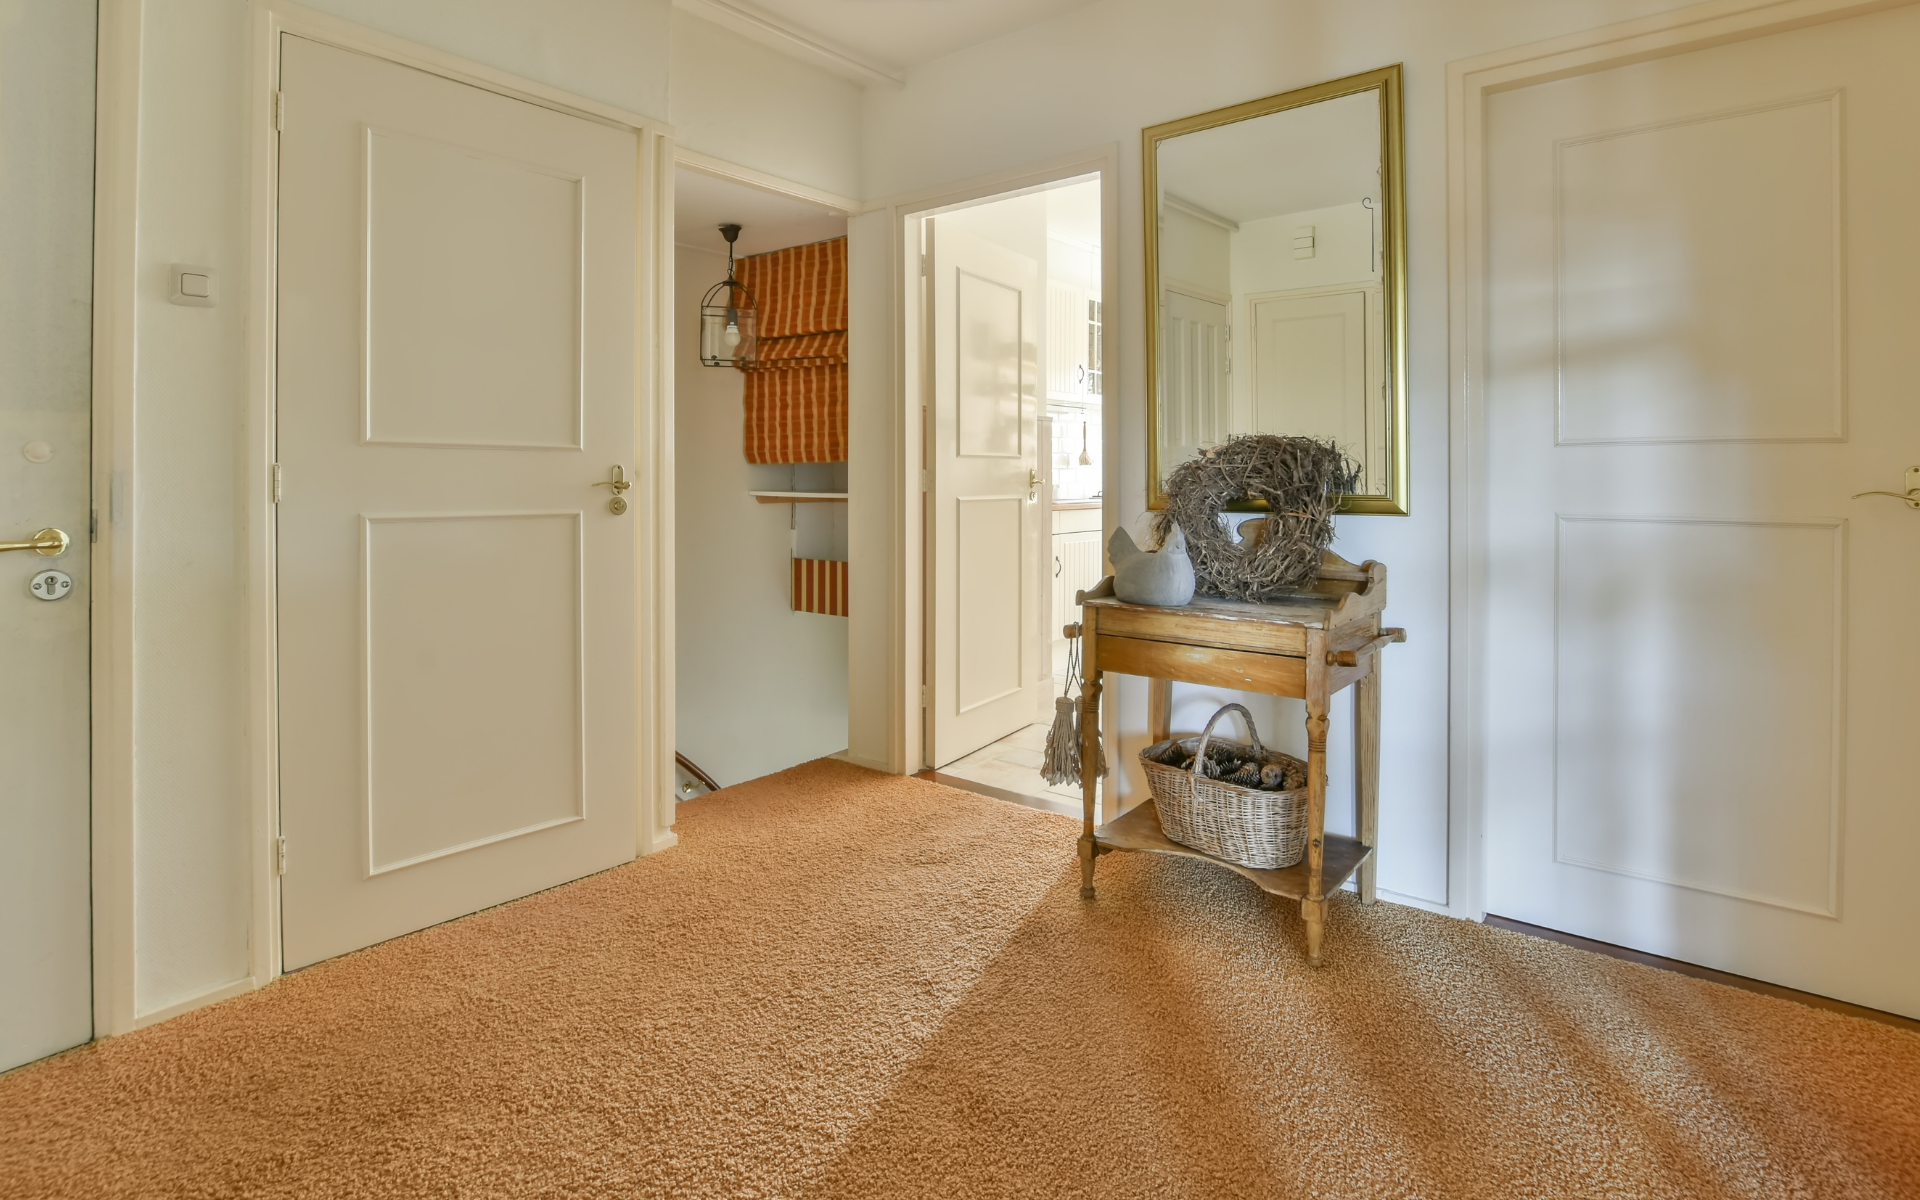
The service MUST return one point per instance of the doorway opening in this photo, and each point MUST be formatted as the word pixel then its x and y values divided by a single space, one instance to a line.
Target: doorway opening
pixel 1013 446
pixel 760 487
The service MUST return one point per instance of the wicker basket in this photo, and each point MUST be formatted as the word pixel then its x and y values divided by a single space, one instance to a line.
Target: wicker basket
pixel 1244 825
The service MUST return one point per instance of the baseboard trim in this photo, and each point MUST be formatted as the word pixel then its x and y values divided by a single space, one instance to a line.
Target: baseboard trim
pixel 210 996
pixel 1061 808
pixel 1697 971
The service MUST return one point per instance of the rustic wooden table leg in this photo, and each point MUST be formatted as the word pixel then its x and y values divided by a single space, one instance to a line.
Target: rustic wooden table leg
pixel 1366 772
pixel 1090 690
pixel 1159 710
pixel 1313 907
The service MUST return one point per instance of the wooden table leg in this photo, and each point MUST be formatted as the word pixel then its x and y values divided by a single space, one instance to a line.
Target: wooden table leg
pixel 1090 690
pixel 1159 710
pixel 1313 907
pixel 1366 773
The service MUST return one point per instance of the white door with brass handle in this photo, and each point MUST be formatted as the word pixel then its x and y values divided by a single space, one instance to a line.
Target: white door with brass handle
pixel 46 240
pixel 457 631
pixel 1702 510
pixel 986 520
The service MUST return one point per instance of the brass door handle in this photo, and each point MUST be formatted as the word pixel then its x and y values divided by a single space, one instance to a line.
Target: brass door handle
pixel 619 483
pixel 1912 498
pixel 1033 485
pixel 1911 495
pixel 50 542
pixel 618 505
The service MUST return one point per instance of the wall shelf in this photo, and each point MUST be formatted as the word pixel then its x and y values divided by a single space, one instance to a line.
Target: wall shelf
pixel 799 497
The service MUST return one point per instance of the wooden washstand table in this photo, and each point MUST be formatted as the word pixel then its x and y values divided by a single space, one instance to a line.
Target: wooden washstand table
pixel 1308 646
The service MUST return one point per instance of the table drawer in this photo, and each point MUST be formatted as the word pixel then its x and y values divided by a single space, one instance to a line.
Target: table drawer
pixel 1171 625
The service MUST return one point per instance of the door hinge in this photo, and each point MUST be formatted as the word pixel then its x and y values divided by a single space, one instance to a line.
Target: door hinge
pixel 279 111
pixel 923 266
pixel 93 525
pixel 923 695
pixel 279 856
pixel 923 479
pixel 276 483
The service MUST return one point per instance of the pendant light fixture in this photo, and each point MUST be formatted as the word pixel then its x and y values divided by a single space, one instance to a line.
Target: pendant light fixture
pixel 729 324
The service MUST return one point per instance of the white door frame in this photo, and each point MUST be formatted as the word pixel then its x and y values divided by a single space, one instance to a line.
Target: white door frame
pixel 906 604
pixel 115 273
pixel 1469 83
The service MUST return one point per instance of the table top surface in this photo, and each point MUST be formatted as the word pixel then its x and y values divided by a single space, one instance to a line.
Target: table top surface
pixel 1309 610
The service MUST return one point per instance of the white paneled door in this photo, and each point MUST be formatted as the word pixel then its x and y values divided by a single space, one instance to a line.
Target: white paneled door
pixel 1197 351
pixel 455 380
pixel 46 244
pixel 1313 370
pixel 986 511
pixel 1704 290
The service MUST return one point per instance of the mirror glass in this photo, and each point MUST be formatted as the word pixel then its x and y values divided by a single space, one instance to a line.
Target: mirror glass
pixel 1274 267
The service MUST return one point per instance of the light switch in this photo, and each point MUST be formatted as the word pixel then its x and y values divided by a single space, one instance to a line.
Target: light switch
pixel 192 286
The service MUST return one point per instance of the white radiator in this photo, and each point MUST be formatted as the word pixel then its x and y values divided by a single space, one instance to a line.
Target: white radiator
pixel 1076 567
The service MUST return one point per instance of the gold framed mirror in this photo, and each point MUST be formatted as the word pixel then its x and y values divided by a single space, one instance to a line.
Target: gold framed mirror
pixel 1276 281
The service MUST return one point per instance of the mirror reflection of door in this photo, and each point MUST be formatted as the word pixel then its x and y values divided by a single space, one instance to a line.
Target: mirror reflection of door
pixel 1312 373
pixel 1196 350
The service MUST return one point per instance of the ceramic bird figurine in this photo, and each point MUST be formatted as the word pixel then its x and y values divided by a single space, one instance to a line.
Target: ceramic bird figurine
pixel 1162 577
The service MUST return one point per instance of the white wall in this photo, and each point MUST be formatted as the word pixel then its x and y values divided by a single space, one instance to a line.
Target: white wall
pixel 1009 103
pixel 761 687
pixel 192 918
pixel 1195 252
pixel 739 101
pixel 883 508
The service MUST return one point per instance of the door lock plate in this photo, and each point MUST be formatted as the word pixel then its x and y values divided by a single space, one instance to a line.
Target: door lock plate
pixel 50 585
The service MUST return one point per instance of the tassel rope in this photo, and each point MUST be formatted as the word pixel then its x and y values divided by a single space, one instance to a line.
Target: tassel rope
pixel 1062 762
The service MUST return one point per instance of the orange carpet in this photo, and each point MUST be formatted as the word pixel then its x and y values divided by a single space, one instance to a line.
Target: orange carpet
pixel 848 985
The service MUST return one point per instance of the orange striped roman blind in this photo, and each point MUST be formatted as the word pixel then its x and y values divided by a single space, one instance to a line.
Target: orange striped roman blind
pixel 796 394
pixel 820 586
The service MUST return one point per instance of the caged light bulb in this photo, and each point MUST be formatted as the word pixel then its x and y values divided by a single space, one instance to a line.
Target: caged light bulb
pixel 731 338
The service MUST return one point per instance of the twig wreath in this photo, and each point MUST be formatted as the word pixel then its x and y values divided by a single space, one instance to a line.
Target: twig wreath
pixel 1300 478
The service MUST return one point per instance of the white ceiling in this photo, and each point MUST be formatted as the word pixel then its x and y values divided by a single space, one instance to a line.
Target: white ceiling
pixel 702 203
pixel 876 39
pixel 1304 158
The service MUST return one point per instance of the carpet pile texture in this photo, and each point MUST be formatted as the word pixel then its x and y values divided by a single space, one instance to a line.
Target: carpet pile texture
pixel 849 985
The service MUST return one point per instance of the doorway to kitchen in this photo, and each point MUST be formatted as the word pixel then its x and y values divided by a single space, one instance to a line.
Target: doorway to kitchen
pixel 1014 449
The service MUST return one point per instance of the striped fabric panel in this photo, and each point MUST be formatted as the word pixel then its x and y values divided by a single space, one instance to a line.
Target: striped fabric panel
pixel 797 416
pixel 820 586
pixel 780 353
pixel 802 289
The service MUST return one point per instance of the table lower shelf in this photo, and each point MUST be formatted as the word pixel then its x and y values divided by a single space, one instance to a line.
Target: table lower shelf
pixel 1139 829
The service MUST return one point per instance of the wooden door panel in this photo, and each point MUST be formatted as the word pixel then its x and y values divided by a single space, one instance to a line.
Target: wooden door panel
pixel 457 669
pixel 474 294
pixel 1700 308
pixel 988 625
pixel 475 655
pixel 1697 711
pixel 1700 280
pixel 987 594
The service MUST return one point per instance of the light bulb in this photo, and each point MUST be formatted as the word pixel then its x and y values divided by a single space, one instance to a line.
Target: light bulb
pixel 731 338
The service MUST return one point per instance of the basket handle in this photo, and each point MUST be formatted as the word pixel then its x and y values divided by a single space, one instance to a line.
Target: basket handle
pixel 1200 751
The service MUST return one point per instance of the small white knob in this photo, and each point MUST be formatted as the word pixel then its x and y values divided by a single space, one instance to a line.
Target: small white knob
pixel 37 452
